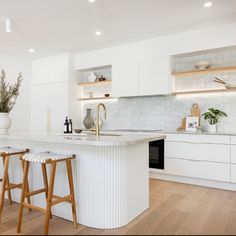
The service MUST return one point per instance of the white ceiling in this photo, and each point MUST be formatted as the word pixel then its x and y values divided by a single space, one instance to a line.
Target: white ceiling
pixel 55 26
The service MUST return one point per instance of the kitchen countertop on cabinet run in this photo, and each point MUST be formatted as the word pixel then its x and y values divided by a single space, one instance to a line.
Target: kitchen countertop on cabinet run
pixel 109 138
pixel 200 133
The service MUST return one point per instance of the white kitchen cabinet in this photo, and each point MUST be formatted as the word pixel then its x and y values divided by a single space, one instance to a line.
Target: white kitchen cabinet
pixel 198 156
pixel 233 154
pixel 233 150
pixel 198 151
pixel 233 173
pixel 49 106
pixel 199 138
pixel 233 140
pixel 50 92
pixel 125 78
pixel 39 105
pixel 51 69
pixel 198 169
pixel 154 76
pixel 145 78
pixel 233 159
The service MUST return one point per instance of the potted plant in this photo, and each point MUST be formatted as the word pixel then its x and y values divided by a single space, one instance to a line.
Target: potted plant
pixel 8 96
pixel 213 116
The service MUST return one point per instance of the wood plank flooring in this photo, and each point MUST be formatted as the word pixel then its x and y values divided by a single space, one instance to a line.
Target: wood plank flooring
pixel 176 209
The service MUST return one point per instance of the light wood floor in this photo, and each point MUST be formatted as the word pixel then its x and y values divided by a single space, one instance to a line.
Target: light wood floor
pixel 175 209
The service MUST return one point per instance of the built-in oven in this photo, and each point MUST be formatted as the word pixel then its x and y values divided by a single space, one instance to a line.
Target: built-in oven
pixel 157 154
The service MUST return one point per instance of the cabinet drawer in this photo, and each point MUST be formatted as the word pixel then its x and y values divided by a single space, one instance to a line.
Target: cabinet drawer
pixel 233 154
pixel 233 173
pixel 233 140
pixel 199 138
pixel 199 152
pixel 198 169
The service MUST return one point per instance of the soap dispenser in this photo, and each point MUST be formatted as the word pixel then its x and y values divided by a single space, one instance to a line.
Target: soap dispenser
pixel 66 126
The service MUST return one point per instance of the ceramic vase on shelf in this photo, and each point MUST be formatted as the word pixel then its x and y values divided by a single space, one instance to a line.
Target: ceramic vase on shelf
pixel 5 122
pixel 92 77
pixel 88 120
pixel 212 128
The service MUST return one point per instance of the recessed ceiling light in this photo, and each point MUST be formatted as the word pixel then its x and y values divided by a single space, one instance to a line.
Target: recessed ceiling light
pixel 8 25
pixel 92 1
pixel 208 4
pixel 98 33
pixel 31 50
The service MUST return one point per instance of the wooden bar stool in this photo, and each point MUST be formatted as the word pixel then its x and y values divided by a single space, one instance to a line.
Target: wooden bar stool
pixel 45 159
pixel 6 153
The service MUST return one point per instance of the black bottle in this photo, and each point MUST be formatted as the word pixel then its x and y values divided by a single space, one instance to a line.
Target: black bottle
pixel 66 126
pixel 70 127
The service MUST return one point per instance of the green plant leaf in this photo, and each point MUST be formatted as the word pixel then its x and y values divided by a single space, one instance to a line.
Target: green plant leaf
pixel 213 115
pixel 9 93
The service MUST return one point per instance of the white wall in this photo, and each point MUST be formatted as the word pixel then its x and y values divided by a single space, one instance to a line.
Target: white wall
pixel 201 39
pixel 12 66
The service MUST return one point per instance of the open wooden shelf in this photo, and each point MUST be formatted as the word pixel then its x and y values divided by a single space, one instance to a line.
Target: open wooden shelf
pixel 96 98
pixel 205 91
pixel 200 72
pixel 100 83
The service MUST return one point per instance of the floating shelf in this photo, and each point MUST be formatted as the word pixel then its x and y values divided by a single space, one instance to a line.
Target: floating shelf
pixel 200 72
pixel 205 91
pixel 96 98
pixel 99 83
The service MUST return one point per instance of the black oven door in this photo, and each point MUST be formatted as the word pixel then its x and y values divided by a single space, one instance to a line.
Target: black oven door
pixel 156 154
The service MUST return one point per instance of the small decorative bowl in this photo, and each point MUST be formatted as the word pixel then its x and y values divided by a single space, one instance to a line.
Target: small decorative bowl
pixel 107 95
pixel 202 65
pixel 78 131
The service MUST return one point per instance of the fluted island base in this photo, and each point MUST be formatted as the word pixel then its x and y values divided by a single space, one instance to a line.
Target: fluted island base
pixel 112 183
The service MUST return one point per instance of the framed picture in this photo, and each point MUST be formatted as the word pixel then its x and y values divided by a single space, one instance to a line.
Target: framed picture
pixel 192 123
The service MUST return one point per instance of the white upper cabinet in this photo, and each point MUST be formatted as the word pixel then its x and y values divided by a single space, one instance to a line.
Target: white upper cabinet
pixel 154 77
pixel 51 69
pixel 149 75
pixel 50 93
pixel 125 79
pixel 144 78
pixel 154 68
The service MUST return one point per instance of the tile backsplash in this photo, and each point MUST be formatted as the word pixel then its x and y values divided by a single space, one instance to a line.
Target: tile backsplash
pixel 218 58
pixel 166 112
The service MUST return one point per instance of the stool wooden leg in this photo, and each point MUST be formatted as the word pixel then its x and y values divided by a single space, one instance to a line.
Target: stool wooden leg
pixel 27 184
pixel 45 181
pixel 72 192
pixel 8 190
pixel 49 198
pixel 24 186
pixel 7 183
pixel 4 184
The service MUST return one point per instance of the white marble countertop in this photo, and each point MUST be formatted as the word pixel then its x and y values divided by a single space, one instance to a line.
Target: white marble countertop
pixel 114 138
pixel 200 133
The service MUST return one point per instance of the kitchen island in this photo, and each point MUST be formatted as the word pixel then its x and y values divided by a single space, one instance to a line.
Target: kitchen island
pixel 111 174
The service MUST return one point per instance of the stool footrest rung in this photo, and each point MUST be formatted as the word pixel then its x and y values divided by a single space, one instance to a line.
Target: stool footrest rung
pixel 61 199
pixel 33 207
pixel 43 190
pixel 13 186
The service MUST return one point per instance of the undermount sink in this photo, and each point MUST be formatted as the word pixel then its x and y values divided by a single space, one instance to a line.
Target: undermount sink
pixel 114 135
pixel 111 135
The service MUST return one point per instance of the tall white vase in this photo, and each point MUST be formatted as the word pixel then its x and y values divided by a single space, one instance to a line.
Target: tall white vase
pixel 212 128
pixel 5 122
